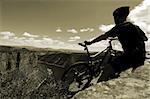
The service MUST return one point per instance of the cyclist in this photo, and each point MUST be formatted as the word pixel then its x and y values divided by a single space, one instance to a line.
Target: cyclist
pixel 132 40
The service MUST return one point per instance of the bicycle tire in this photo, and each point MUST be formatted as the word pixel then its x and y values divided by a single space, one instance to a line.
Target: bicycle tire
pixel 79 73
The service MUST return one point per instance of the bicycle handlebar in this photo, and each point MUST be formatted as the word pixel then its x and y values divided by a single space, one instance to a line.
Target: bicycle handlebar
pixel 110 39
pixel 81 44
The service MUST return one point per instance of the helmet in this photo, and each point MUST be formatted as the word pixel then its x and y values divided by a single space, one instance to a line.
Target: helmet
pixel 121 11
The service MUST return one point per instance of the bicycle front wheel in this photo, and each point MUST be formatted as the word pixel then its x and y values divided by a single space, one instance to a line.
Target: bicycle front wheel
pixel 77 77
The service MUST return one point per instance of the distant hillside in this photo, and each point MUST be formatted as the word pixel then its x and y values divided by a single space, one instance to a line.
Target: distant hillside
pixel 42 49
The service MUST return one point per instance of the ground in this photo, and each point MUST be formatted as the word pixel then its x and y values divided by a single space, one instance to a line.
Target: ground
pixel 129 85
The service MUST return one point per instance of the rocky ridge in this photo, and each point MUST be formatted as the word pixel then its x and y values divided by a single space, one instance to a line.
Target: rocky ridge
pixel 129 85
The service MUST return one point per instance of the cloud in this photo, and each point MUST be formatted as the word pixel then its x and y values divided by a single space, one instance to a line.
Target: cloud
pixel 140 15
pixel 74 31
pixel 71 39
pixel 105 28
pixel 27 39
pixel 41 41
pixel 58 30
pixel 86 30
pixel 29 35
pixel 7 35
pixel 91 30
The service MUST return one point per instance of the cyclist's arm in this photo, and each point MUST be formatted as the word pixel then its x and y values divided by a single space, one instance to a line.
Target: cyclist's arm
pixel 110 33
pixel 101 37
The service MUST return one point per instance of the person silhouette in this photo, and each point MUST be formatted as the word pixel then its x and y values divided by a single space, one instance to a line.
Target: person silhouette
pixel 132 40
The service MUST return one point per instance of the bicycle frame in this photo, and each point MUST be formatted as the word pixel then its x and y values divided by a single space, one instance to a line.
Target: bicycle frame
pixel 108 49
pixel 87 51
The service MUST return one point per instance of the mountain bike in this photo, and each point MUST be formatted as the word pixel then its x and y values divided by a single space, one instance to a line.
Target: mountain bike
pixel 80 74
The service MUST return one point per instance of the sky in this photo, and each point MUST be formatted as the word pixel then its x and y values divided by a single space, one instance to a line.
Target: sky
pixel 61 24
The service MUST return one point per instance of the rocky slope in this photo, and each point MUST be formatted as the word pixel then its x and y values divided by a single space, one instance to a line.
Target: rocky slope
pixel 21 76
pixel 129 85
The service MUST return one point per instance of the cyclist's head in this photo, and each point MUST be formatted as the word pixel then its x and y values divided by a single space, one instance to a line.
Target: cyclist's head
pixel 120 14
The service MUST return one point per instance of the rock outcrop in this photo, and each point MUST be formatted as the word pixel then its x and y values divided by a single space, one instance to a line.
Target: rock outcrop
pixel 129 85
pixel 21 76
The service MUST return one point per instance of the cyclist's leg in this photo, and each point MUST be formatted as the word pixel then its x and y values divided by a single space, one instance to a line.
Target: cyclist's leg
pixel 121 63
pixel 113 69
pixel 108 72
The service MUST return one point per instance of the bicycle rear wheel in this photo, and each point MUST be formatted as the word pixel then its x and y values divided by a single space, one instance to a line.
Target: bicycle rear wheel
pixel 77 77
